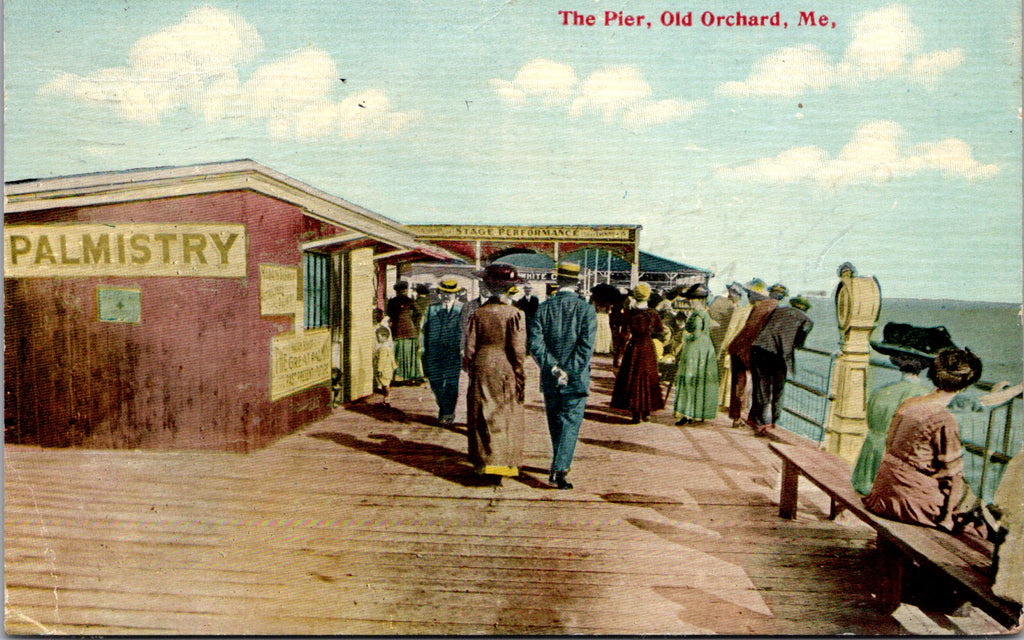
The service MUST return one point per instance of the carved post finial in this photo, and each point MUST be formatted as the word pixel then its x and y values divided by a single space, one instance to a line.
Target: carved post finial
pixel 858 300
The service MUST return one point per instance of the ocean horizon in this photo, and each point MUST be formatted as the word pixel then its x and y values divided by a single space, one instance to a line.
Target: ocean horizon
pixel 992 330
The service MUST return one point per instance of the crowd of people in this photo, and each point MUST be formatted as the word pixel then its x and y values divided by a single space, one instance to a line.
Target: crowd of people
pixel 709 352
pixel 433 335
pixel 732 354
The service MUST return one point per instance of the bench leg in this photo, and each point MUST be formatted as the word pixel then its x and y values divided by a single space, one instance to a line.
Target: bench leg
pixel 835 509
pixel 891 573
pixel 787 497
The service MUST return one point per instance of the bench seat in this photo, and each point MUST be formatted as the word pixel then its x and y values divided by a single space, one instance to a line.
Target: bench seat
pixel 967 561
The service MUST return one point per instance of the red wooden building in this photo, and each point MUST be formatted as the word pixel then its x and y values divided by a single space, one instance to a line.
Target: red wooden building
pixel 198 307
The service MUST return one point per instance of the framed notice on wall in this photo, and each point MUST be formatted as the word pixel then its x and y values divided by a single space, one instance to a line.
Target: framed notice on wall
pixel 299 361
pixel 279 290
pixel 119 305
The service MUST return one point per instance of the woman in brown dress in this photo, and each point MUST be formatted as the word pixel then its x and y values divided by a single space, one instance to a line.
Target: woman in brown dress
pixel 637 386
pixel 494 355
pixel 920 479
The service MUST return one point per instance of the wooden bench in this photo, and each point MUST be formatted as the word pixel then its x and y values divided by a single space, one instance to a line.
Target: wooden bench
pixel 967 562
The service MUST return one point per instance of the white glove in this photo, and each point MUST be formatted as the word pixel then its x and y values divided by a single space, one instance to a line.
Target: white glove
pixel 561 375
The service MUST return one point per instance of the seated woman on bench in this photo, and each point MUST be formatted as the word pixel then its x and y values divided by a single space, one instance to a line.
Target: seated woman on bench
pixel 920 479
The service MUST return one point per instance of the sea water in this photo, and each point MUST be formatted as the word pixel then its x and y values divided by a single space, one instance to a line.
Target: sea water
pixel 992 330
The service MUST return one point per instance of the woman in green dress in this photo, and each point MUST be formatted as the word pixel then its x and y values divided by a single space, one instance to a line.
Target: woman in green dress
pixel 910 349
pixel 697 371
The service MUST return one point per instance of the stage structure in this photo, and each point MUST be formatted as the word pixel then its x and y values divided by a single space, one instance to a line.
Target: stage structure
pixel 483 244
pixel 660 273
pixel 608 254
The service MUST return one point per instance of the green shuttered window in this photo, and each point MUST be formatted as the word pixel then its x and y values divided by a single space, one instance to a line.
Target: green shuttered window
pixel 316 278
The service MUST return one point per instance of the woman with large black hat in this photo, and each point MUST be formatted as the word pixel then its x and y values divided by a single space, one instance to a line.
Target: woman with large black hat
pixel 910 349
pixel 494 356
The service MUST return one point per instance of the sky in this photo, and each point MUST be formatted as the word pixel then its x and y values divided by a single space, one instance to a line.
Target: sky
pixel 889 137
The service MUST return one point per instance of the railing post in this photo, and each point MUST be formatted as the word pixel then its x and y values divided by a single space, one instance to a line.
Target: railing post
pixel 987 454
pixel 858 300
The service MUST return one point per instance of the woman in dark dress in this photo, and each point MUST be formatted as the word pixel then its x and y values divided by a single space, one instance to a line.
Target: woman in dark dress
pixel 637 386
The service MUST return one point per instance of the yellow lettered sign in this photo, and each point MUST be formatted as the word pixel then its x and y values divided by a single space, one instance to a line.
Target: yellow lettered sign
pixel 532 232
pixel 52 250
pixel 299 361
pixel 279 290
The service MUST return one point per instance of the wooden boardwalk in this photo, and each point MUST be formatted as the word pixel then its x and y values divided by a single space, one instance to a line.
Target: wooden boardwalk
pixel 371 522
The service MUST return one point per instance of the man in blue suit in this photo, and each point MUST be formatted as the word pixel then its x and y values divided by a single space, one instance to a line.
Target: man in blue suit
pixel 562 341
pixel 440 340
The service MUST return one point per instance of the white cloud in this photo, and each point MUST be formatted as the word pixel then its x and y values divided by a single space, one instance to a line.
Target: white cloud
pixel 953 157
pixel 885 44
pixel 647 114
pixel 551 83
pixel 293 96
pixel 290 84
pixel 186 65
pixel 369 111
pixel 931 65
pixel 787 72
pixel 791 165
pixel 207 42
pixel 875 154
pixel 610 91
pixel 194 65
pixel 617 94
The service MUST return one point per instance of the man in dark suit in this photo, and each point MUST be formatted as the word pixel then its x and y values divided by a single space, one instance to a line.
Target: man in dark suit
pixel 771 359
pixel 562 342
pixel 529 303
pixel 440 339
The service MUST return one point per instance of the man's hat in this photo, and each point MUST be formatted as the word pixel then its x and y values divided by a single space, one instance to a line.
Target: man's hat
pixel 568 270
pixel 756 285
pixel 779 289
pixel 899 338
pixel 641 292
pixel 448 285
pixel 401 285
pixel 799 302
pixel 696 291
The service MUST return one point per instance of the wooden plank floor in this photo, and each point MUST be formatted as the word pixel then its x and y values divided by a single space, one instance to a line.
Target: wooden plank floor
pixel 371 522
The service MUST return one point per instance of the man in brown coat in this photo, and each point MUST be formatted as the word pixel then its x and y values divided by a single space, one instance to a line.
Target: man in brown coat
pixel 494 356
pixel 739 349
